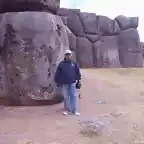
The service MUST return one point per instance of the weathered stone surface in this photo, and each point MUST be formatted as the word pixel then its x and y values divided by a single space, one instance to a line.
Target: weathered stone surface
pixel 73 20
pixel 73 56
pixel 63 12
pixel 131 59
pixel 28 5
pixel 74 11
pixel 2 79
pixel 33 43
pixel 130 49
pixel 84 52
pixel 127 22
pixel 89 21
pixel 64 20
pixel 92 38
pixel 96 29
pixel 75 25
pixel 33 47
pixel 142 45
pixel 116 27
pixel 106 52
pixel 107 26
pixel 66 12
pixel 72 40
pixel 129 40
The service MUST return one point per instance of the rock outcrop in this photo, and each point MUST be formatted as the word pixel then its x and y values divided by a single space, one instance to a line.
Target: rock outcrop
pixel 32 46
pixel 34 35
pixel 101 42
pixel 29 5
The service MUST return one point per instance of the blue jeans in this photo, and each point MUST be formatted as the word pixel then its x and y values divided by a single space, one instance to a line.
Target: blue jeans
pixel 69 92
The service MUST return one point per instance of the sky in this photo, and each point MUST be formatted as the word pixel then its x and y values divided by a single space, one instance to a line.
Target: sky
pixel 110 8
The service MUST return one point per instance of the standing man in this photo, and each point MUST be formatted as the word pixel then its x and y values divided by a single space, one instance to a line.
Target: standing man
pixel 67 75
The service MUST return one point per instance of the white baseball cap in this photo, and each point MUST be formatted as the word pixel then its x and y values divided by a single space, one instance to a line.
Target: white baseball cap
pixel 68 52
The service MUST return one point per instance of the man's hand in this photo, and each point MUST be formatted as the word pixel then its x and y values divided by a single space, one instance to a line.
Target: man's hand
pixel 58 85
pixel 78 85
pixel 79 96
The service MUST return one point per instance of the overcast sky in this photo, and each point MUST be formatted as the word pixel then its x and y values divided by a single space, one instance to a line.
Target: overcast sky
pixel 110 8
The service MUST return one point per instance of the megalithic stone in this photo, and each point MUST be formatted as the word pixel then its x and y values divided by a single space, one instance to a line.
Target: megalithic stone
pixel 32 49
pixel 29 5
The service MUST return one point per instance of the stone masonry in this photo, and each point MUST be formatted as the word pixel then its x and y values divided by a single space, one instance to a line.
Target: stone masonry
pixel 101 42
pixel 34 35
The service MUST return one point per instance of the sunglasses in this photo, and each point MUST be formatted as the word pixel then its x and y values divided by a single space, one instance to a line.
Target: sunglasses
pixel 68 54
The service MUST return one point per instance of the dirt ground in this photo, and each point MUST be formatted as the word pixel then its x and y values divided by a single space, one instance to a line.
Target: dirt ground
pixel 122 113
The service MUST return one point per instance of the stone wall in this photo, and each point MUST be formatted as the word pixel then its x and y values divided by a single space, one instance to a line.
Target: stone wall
pixel 101 42
pixel 33 39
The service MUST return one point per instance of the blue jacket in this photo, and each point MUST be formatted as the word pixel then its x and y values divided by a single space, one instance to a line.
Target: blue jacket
pixel 67 72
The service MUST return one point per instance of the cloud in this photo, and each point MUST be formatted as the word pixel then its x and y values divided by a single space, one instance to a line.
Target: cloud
pixel 71 3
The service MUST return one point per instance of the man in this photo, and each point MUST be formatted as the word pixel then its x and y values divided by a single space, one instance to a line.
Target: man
pixel 67 75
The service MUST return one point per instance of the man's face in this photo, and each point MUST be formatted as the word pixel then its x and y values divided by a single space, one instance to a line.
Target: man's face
pixel 68 56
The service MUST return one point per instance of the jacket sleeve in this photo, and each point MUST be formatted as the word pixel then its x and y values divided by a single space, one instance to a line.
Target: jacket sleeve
pixel 57 74
pixel 78 73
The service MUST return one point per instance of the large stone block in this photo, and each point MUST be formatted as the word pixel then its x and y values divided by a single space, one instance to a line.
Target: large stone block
pixel 75 25
pixel 130 48
pixel 29 5
pixel 127 22
pixel 72 40
pixel 73 56
pixel 142 46
pixel 66 12
pixel 33 44
pixel 2 79
pixel 73 20
pixel 106 52
pixel 107 26
pixel 89 21
pixel 131 59
pixel 63 12
pixel 84 52
pixel 74 11
pixel 129 40
pixel 92 38
pixel 64 20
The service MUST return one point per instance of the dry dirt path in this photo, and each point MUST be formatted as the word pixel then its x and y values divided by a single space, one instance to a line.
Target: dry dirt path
pixel 123 92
